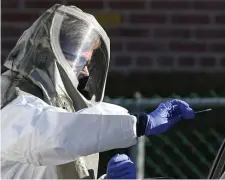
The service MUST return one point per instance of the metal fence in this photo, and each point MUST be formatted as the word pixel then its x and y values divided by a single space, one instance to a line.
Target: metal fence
pixel 185 151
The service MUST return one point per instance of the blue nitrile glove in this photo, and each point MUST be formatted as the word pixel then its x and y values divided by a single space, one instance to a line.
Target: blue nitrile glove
pixel 120 167
pixel 163 117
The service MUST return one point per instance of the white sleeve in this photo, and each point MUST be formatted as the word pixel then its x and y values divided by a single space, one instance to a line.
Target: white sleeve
pixel 36 133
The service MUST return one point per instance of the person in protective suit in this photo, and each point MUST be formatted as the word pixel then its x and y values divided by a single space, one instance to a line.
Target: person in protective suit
pixel 53 120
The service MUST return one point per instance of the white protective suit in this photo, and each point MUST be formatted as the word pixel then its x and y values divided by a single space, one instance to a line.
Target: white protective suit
pixel 49 128
pixel 37 137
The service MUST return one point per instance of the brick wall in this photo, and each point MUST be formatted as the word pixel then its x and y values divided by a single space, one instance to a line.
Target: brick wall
pixel 153 34
pixel 173 46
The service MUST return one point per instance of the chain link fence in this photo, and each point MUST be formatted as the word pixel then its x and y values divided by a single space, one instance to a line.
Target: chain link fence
pixel 185 151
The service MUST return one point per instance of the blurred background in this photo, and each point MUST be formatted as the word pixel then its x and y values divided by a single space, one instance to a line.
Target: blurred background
pixel 160 49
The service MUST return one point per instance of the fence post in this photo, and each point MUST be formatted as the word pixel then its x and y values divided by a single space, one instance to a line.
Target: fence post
pixel 137 152
pixel 141 158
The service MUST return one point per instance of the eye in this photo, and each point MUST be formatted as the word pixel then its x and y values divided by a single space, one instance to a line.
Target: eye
pixel 69 57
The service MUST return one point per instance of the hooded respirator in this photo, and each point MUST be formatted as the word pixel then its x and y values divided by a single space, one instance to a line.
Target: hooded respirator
pixel 66 53
pixel 84 49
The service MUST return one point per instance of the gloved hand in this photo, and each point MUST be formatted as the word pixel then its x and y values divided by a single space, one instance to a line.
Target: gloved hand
pixel 163 117
pixel 120 167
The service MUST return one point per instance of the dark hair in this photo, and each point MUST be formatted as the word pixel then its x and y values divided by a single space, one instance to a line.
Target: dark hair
pixel 73 35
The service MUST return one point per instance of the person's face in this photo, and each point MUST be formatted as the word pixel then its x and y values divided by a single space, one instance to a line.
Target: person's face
pixel 84 58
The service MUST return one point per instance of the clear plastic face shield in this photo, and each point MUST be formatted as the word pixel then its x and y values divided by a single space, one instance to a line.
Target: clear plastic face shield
pixel 82 49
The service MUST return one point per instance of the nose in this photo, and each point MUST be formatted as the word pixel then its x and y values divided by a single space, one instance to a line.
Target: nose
pixel 83 73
